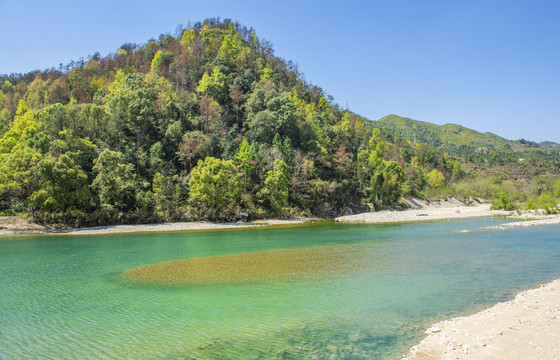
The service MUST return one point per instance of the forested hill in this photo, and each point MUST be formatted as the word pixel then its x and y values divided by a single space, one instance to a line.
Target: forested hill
pixel 207 124
pixel 461 141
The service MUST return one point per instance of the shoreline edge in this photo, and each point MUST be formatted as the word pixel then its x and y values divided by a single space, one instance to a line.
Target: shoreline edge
pixel 527 327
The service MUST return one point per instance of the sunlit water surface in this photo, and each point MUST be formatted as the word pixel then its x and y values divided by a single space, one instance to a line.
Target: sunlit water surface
pixel 63 297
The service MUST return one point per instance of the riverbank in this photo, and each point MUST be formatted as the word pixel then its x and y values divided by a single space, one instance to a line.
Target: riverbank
pixel 528 219
pixel 420 210
pixel 23 228
pixel 527 327
pixel 12 225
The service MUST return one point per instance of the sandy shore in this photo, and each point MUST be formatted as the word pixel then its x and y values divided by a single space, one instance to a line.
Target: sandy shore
pixel 33 229
pixel 527 327
pixel 442 210
pixel 180 226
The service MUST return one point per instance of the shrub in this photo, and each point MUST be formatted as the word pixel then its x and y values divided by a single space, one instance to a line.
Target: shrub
pixel 502 202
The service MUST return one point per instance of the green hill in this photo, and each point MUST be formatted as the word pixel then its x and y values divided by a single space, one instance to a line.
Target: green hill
pixel 548 144
pixel 437 135
pixel 462 141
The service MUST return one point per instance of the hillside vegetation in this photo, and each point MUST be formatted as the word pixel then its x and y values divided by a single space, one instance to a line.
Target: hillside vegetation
pixel 470 144
pixel 210 124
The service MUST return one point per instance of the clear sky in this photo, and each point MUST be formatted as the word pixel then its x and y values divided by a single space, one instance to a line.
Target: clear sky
pixel 488 65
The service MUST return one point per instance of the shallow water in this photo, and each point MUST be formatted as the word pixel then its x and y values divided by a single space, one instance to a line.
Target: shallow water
pixel 62 297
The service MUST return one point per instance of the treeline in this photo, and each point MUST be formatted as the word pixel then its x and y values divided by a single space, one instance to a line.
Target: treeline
pixel 208 124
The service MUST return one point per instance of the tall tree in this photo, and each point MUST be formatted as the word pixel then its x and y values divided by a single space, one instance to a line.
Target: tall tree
pixel 115 184
pixel 63 185
pixel 215 188
pixel 275 190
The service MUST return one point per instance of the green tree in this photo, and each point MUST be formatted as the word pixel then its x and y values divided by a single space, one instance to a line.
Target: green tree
pixel 435 179
pixel 275 190
pixel 115 184
pixel 36 93
pixel 161 195
pixel 502 202
pixel 7 86
pixel 231 45
pixel 416 177
pixel 278 117
pixel 5 121
pixel 369 164
pixel 214 85
pixel 22 107
pixel 19 173
pixel 456 171
pixel 556 190
pixel 385 184
pixel 3 99
pixel 161 61
pixel 246 159
pixel 266 73
pixel 82 151
pixel 215 189
pixel 188 37
pixel 23 128
pixel 63 185
pixel 132 110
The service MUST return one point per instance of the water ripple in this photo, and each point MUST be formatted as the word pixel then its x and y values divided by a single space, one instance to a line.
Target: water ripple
pixel 60 298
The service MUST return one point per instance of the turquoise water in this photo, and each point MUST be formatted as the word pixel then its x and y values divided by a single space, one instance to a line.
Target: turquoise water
pixel 61 297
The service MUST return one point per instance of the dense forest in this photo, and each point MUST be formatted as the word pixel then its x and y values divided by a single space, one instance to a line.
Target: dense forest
pixel 210 124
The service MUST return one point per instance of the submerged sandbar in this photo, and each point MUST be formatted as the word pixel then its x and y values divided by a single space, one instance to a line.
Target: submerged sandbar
pixel 286 264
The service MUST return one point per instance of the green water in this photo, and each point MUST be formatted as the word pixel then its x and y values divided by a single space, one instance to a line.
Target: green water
pixel 62 297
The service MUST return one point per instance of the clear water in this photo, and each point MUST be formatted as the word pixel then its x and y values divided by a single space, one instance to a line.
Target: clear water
pixel 61 297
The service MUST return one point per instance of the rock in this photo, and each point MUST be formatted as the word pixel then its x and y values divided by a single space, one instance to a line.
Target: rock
pixel 433 330
pixel 243 217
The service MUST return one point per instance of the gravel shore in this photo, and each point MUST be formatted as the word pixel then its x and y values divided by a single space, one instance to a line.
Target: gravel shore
pixel 527 327
pixel 33 229
pixel 537 220
pixel 441 210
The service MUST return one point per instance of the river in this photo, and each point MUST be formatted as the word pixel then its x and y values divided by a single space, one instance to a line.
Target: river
pixel 63 297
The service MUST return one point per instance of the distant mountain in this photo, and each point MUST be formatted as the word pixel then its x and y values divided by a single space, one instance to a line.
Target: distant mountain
pixel 436 135
pixel 548 144
pixel 459 140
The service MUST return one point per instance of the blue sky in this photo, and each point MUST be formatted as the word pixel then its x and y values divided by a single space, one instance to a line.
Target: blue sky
pixel 488 65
